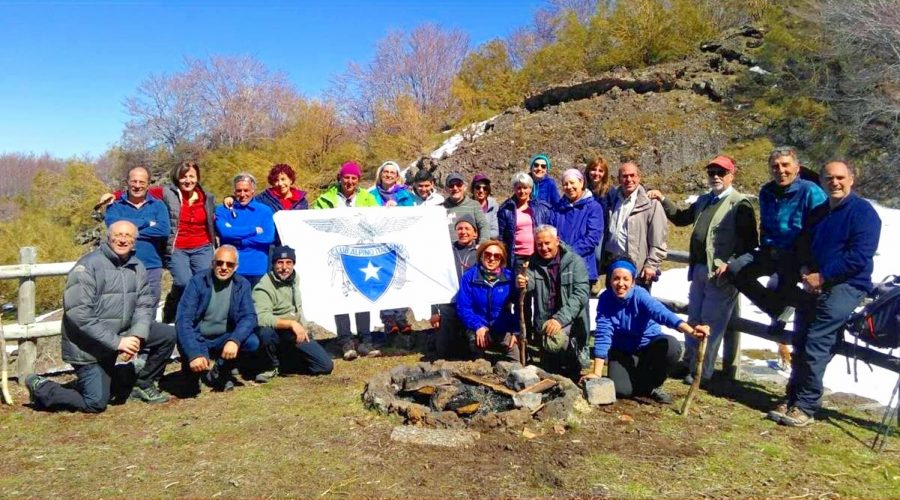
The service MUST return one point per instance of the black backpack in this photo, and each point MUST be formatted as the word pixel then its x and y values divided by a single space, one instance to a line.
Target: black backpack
pixel 878 322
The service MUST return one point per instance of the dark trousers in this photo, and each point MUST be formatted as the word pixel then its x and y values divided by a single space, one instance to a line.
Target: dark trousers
pixel 450 339
pixel 97 381
pixel 283 352
pixel 748 268
pixel 497 341
pixel 246 354
pixel 363 327
pixel 639 373
pixel 818 334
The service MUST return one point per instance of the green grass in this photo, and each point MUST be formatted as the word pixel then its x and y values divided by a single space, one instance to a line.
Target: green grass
pixel 312 437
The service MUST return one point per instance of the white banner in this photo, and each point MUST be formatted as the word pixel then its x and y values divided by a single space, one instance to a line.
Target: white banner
pixel 368 259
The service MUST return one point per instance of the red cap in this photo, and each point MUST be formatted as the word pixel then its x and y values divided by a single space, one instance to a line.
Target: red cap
pixel 724 162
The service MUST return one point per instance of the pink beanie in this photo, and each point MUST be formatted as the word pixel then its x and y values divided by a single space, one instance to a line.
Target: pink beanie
pixel 350 168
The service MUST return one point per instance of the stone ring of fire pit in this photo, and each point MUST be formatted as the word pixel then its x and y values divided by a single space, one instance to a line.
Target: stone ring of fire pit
pixel 458 394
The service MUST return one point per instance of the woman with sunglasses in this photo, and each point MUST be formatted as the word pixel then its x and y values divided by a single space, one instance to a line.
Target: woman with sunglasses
pixel 481 192
pixel 518 218
pixel 484 304
pixel 628 338
pixel 545 188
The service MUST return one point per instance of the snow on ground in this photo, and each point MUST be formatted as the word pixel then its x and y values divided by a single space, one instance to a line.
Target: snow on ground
pixel 875 383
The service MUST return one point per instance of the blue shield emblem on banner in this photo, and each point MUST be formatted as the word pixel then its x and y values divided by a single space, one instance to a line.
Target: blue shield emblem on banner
pixel 370 268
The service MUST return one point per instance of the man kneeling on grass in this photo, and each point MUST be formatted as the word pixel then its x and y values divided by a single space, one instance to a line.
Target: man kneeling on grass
pixel 282 327
pixel 108 312
pixel 216 319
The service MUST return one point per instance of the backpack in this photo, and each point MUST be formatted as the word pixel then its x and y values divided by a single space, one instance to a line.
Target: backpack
pixel 878 322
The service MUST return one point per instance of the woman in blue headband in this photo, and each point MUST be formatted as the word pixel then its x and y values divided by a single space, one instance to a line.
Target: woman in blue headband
pixel 629 339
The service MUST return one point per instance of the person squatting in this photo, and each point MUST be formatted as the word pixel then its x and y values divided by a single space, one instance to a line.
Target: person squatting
pixel 527 269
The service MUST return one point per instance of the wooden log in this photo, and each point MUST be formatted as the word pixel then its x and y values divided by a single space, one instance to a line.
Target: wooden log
pixel 502 389
pixel 27 347
pixel 541 386
pixel 17 271
pixel 33 331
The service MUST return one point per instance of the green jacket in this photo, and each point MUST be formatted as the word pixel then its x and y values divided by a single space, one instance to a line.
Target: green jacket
pixel 573 294
pixel 275 299
pixel 330 198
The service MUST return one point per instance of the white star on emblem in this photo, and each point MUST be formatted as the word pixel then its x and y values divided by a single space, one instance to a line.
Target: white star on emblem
pixel 370 271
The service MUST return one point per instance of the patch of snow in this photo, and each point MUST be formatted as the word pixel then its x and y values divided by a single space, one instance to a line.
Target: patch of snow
pixel 759 71
pixel 471 131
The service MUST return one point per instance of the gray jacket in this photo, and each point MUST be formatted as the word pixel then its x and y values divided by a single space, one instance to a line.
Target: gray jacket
pixel 574 289
pixel 104 300
pixel 648 230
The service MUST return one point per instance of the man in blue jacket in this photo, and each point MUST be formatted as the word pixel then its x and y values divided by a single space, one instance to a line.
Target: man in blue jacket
pixel 249 227
pixel 842 239
pixel 216 319
pixel 785 204
pixel 152 220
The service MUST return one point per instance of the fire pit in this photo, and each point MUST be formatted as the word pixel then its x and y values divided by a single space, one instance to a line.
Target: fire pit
pixel 474 394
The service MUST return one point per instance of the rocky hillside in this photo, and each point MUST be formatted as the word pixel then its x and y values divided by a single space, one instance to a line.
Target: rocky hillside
pixel 669 118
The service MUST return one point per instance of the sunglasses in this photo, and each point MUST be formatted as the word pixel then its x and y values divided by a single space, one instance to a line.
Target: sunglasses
pixel 538 165
pixel 492 255
pixel 717 172
pixel 481 187
pixel 226 263
pixel 455 184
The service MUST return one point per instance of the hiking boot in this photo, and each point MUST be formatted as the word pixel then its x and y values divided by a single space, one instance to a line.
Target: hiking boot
pixel 367 350
pixel 795 417
pixel 778 412
pixel 262 378
pixel 150 394
pixel 218 381
pixel 688 379
pixel 350 354
pixel 32 382
pixel 661 396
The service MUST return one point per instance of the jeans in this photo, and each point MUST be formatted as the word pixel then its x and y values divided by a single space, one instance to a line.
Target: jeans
pixel 288 356
pixel 766 261
pixel 214 347
pixel 711 302
pixel 183 265
pixel 154 279
pixel 640 373
pixel 819 332
pixel 97 381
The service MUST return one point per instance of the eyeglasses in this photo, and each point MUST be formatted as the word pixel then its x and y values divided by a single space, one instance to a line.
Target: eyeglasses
pixel 717 172
pixel 538 165
pixel 226 263
pixel 122 236
pixel 492 255
pixel 455 184
pixel 481 187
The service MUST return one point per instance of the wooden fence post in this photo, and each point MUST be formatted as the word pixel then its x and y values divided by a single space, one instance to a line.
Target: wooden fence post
pixel 27 347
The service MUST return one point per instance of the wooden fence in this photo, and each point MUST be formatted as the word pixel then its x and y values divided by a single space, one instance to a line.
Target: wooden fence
pixel 26 331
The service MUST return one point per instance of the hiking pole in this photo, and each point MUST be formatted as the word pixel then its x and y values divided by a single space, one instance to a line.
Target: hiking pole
pixel 884 430
pixel 522 350
pixel 4 375
pixel 698 369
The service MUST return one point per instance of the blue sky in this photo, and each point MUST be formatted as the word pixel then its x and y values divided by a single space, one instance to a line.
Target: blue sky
pixel 68 66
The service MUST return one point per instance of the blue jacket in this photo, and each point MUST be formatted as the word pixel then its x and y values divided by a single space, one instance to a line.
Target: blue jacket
pixel 152 221
pixel 479 304
pixel 541 213
pixel 403 197
pixel 546 190
pixel 782 217
pixel 844 241
pixel 580 224
pixel 629 324
pixel 238 227
pixel 192 308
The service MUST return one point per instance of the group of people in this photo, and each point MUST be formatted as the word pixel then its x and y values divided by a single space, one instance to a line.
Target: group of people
pixel 527 268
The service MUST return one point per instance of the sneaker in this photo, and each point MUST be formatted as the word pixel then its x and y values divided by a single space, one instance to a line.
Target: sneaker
pixel 266 376
pixel 795 417
pixel 219 382
pixel 778 412
pixel 367 350
pixel 32 382
pixel 150 394
pixel 688 379
pixel 661 396
pixel 350 354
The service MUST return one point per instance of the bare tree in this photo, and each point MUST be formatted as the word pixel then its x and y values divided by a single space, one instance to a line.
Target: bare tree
pixel 420 64
pixel 215 101
pixel 18 170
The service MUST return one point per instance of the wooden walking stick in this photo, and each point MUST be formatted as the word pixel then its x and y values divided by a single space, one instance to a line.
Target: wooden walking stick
pixel 522 351
pixel 698 369
pixel 4 375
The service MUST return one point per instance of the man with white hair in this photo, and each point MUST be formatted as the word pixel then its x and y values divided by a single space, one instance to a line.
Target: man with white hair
pixel 108 313
pixel 557 288
pixel 248 226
